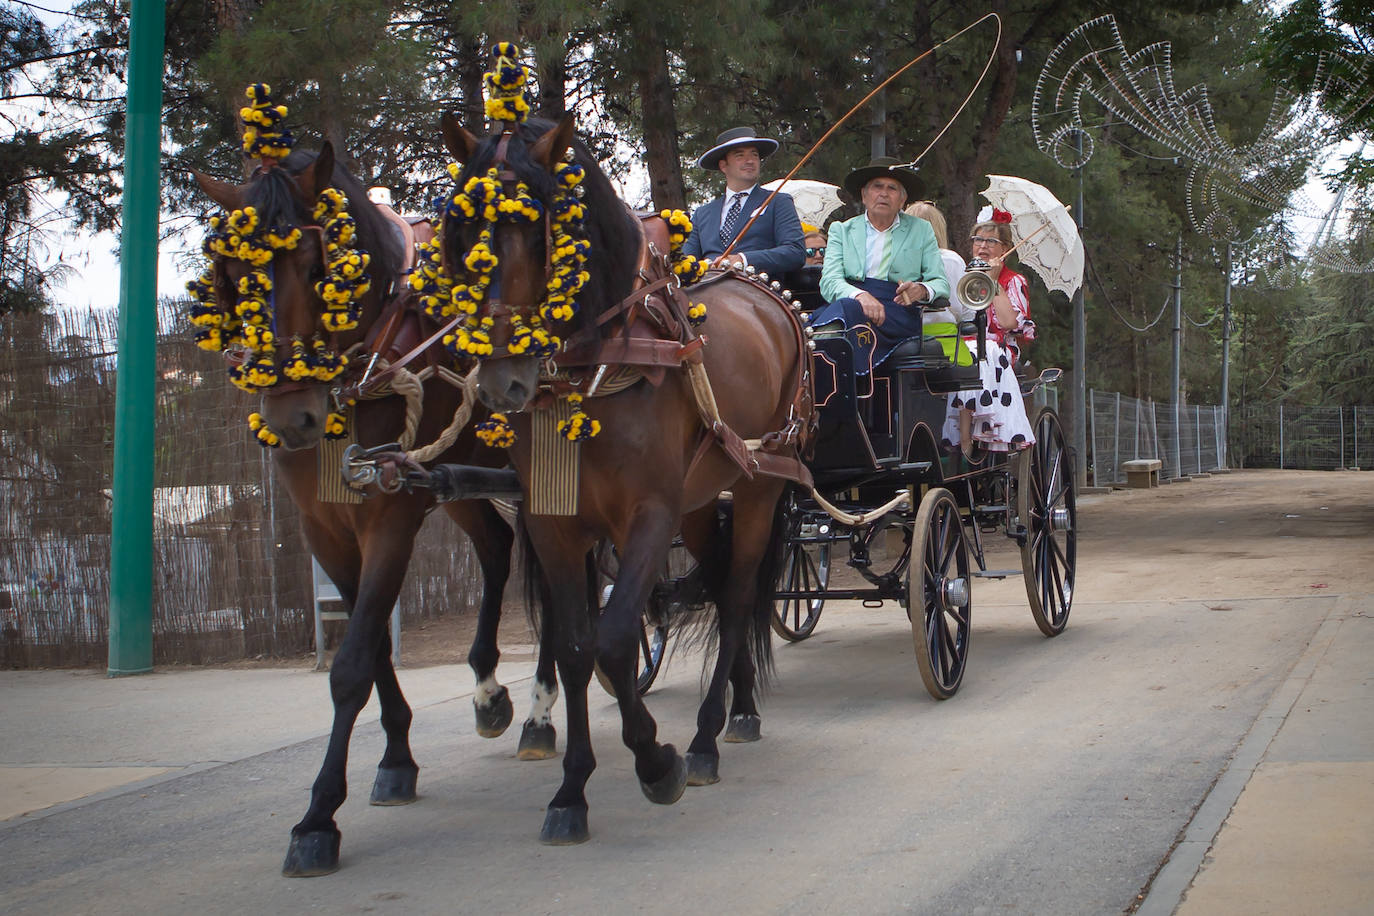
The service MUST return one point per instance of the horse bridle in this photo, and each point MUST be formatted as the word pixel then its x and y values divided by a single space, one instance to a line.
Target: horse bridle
pixel 237 356
pixel 498 311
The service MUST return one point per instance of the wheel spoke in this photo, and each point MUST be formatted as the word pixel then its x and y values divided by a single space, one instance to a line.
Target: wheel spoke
pixel 935 640
pixel 951 641
pixel 1058 582
pixel 1059 553
pixel 947 540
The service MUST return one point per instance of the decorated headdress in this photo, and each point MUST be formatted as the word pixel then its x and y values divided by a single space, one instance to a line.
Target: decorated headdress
pixel 484 200
pixel 246 331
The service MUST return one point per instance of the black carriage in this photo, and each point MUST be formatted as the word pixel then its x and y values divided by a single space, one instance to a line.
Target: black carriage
pixel 892 505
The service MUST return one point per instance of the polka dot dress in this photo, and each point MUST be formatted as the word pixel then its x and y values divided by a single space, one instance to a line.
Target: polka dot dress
pixel 999 415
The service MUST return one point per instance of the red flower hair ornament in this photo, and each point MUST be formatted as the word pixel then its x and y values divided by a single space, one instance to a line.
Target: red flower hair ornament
pixel 1000 216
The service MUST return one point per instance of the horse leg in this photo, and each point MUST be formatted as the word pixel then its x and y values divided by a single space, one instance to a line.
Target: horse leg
pixel 398 771
pixel 553 555
pixel 744 724
pixel 491 539
pixel 643 554
pixel 538 736
pixel 753 520
pixel 314 846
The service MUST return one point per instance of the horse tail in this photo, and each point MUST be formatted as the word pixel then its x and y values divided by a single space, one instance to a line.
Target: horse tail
pixel 766 587
pixel 713 570
pixel 538 602
pixel 538 605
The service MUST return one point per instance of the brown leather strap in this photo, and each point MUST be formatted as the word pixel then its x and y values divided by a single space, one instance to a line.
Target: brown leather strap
pixel 626 351
pixel 639 295
pixel 385 375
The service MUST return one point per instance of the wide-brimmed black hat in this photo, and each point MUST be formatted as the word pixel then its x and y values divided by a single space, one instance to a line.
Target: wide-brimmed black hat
pixel 884 165
pixel 735 136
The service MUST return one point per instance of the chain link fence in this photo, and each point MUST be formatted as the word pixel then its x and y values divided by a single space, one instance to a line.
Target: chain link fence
pixel 1319 438
pixel 1191 440
pixel 1194 440
pixel 231 571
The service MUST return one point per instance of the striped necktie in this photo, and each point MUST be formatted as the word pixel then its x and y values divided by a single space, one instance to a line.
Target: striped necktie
pixel 727 228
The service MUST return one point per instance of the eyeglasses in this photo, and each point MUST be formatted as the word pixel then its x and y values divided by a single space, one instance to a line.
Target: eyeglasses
pixel 985 240
pixel 813 252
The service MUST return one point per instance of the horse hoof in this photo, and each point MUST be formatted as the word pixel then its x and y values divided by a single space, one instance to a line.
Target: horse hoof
pixel 494 718
pixel 703 769
pixel 395 785
pixel 312 854
pixel 564 827
pixel 742 729
pixel 667 788
pixel 537 742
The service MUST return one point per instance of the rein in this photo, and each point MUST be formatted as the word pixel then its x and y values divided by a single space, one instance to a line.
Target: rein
pixel 865 100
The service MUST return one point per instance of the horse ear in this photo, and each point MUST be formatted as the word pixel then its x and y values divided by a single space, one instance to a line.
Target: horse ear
pixel 548 149
pixel 320 175
pixel 456 137
pixel 223 193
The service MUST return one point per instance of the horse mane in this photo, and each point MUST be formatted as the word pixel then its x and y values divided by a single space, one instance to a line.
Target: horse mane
pixel 276 197
pixel 609 225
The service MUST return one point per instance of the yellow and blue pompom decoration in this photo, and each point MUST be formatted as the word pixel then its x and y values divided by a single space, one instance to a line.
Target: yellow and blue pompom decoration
pixel 579 426
pixel 263 135
pixel 496 432
pixel 505 84
pixel 262 432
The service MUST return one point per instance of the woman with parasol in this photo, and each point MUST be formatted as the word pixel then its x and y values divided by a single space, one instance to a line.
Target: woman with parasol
pixel 995 415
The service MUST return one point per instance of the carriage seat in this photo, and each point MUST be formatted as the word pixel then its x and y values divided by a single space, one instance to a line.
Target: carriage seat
pixel 927 355
pixel 805 284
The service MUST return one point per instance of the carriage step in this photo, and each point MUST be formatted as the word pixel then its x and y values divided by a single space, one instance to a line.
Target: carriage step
pixel 996 573
pixel 990 510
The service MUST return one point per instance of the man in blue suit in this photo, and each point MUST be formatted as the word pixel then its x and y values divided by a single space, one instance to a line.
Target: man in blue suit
pixel 773 244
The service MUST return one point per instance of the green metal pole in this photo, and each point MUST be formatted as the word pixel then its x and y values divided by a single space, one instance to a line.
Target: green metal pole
pixel 131 541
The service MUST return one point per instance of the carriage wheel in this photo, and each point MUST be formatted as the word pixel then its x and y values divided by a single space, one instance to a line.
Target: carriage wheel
pixel 939 585
pixel 806 568
pixel 1046 506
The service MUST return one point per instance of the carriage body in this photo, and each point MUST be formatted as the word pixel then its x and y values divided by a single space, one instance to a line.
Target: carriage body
pixel 893 506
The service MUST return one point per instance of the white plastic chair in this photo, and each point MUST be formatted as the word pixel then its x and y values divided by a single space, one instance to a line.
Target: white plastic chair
pixel 327 593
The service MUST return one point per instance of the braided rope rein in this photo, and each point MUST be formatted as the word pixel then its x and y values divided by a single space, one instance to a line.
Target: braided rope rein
pixel 410 385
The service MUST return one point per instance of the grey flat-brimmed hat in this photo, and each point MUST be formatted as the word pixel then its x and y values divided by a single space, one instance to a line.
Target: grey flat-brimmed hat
pixel 884 165
pixel 735 136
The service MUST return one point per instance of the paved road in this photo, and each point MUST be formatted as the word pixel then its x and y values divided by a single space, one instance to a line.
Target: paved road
pixel 1058 780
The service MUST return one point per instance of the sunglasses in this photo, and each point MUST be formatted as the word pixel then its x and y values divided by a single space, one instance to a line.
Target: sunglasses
pixel 812 252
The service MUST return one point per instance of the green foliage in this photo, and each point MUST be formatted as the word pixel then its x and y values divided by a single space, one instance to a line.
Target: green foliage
pixel 1331 359
pixel 1310 40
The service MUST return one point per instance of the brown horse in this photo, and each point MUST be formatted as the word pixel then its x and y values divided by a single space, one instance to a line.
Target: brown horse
pixel 366 547
pixel 651 471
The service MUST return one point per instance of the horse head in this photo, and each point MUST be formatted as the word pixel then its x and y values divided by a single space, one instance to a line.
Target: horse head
pixel 290 288
pixel 533 231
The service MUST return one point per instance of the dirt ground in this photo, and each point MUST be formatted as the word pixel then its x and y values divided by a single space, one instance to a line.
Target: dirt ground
pixel 1223 536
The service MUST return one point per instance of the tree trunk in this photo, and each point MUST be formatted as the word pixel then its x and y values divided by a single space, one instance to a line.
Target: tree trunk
pixel 551 62
pixel 471 66
pixel 231 17
pixel 661 153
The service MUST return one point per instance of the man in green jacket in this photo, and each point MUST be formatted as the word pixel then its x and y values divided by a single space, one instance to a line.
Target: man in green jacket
pixel 883 267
